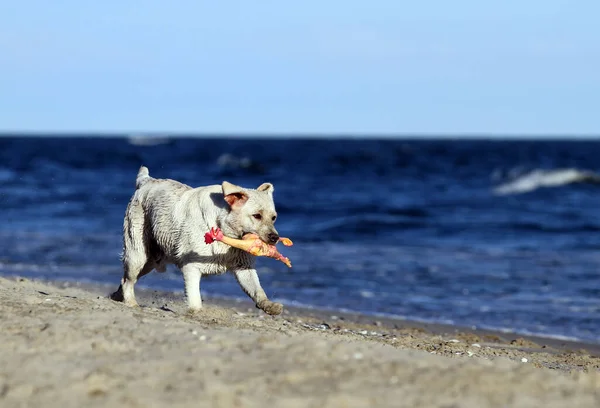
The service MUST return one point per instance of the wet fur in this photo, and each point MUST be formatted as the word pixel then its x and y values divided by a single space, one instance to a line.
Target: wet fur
pixel 165 223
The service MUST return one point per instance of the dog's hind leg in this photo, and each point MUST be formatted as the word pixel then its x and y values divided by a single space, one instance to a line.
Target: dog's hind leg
pixel 135 261
pixel 132 273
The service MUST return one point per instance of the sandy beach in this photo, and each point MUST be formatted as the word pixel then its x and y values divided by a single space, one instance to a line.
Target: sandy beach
pixel 67 345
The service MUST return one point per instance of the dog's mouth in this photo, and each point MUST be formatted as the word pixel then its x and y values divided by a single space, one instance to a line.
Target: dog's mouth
pixel 246 233
pixel 254 234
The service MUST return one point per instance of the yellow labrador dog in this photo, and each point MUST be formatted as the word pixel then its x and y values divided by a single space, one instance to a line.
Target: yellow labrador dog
pixel 165 223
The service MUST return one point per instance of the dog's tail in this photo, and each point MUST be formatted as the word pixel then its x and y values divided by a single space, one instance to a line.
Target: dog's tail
pixel 142 177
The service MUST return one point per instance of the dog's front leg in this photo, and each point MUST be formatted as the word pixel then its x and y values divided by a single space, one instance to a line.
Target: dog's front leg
pixel 191 277
pixel 249 282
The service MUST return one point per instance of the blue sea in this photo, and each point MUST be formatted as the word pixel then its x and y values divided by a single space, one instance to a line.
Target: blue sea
pixel 492 234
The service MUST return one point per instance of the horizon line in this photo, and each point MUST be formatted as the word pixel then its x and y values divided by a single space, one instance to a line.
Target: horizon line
pixel 298 135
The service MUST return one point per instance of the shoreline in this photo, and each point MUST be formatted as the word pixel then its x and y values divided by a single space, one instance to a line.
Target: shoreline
pixel 558 342
pixel 538 342
pixel 511 343
pixel 66 344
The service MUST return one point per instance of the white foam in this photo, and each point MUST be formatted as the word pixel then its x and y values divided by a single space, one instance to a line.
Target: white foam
pixel 546 178
pixel 147 140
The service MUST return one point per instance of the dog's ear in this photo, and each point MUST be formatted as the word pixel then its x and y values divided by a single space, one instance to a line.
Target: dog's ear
pixel 268 187
pixel 234 195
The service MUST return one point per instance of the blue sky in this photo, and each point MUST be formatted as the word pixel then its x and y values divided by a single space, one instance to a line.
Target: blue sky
pixel 503 67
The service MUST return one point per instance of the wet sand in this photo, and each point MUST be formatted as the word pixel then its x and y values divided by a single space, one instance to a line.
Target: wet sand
pixel 66 345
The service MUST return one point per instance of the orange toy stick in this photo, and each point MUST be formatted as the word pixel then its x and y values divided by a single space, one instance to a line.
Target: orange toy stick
pixel 250 243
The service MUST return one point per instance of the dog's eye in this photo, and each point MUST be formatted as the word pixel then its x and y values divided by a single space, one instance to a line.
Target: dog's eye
pixel 257 216
pixel 274 218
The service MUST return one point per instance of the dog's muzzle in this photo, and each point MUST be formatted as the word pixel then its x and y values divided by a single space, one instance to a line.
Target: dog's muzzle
pixel 273 238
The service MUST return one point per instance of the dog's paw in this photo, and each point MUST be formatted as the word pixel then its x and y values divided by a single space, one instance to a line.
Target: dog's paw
pixel 117 296
pixel 195 312
pixel 131 303
pixel 270 308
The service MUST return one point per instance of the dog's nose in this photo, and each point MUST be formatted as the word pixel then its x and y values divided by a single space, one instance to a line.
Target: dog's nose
pixel 273 238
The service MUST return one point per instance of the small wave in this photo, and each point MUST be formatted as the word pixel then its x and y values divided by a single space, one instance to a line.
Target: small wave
pixel 146 140
pixel 228 162
pixel 537 179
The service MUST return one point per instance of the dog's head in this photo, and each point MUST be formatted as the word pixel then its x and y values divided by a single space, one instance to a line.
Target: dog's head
pixel 252 211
